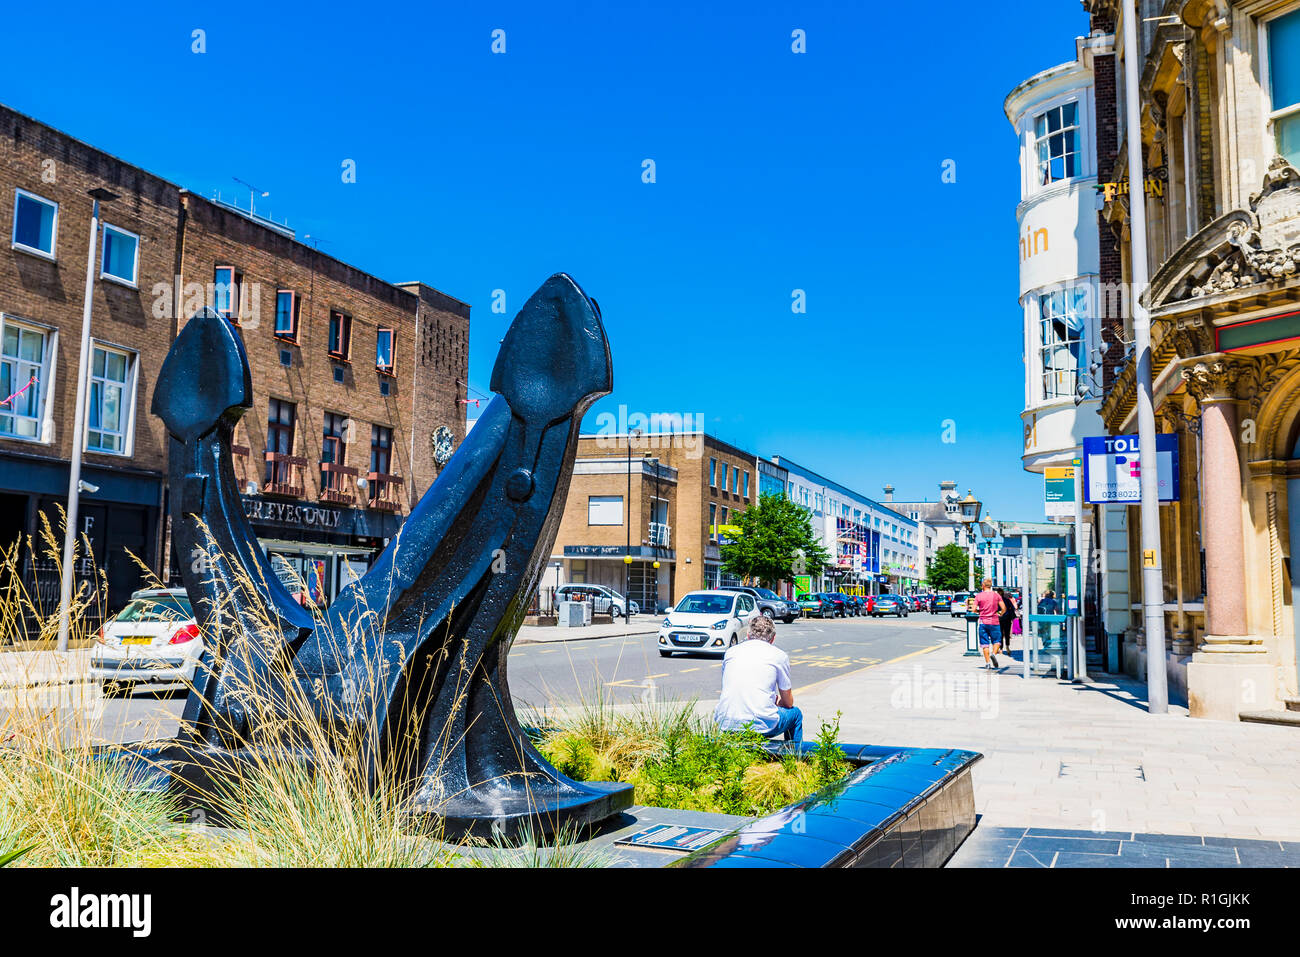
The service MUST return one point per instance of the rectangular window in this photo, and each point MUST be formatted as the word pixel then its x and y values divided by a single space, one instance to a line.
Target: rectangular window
pixel 746 485
pixel 384 350
pixel 1284 83
pixel 333 449
pixel 111 397
pixel 604 510
pixel 1056 138
pixel 121 255
pixel 286 314
pixel 713 521
pixel 381 449
pixel 226 284
pixel 280 419
pixel 713 473
pixel 340 335
pixel 1062 342
pixel 723 486
pixel 36 223
pixel 24 353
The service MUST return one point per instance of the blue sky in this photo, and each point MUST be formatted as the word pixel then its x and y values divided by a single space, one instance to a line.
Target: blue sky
pixel 775 171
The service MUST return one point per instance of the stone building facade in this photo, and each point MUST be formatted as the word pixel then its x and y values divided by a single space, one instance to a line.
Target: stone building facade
pixel 1220 94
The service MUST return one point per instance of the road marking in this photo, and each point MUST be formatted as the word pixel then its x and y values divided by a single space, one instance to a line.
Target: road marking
pixel 910 654
pixel 686 671
pixel 625 681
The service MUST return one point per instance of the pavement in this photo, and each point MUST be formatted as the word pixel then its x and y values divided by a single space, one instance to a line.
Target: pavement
pixel 1080 774
pixel 20 669
pixel 538 634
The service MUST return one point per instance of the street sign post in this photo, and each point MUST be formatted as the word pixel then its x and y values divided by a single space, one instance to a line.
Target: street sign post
pixel 1113 466
pixel 1058 491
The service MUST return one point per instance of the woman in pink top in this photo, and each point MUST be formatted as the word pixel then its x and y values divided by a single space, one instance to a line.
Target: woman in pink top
pixel 991 608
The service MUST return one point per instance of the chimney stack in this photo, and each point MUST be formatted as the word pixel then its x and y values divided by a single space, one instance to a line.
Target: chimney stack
pixel 889 493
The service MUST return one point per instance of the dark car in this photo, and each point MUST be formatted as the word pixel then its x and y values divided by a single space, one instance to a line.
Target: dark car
pixel 851 605
pixel 941 603
pixel 814 605
pixel 838 603
pixel 890 605
pixel 770 604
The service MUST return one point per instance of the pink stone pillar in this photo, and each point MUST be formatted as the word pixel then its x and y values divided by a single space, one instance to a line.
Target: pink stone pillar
pixel 1225 573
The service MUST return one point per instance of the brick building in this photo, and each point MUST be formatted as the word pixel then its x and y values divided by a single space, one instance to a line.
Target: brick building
pixel 45 212
pixel 344 366
pixel 664 500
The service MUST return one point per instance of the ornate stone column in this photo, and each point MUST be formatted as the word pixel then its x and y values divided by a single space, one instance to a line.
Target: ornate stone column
pixel 1213 383
pixel 1230 669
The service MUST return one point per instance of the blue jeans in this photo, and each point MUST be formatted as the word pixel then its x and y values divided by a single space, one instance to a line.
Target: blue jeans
pixel 790 723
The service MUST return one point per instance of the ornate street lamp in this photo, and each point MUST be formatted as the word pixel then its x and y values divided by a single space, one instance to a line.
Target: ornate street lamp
pixel 968 511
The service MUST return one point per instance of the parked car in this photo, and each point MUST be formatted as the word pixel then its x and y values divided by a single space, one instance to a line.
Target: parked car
pixel 769 602
pixel 838 604
pixel 707 621
pixel 890 605
pixel 958 607
pixel 814 605
pixel 850 603
pixel 154 640
pixel 941 603
pixel 605 601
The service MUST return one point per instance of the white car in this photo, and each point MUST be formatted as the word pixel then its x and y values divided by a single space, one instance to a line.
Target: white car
pixel 604 600
pixel 707 621
pixel 154 640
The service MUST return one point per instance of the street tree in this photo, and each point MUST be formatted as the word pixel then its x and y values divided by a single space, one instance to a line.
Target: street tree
pixel 775 542
pixel 947 572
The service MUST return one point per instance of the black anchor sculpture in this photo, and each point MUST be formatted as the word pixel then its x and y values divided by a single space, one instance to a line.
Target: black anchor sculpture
pixel 412 656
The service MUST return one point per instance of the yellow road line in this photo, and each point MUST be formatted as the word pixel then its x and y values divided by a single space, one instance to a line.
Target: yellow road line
pixel 685 671
pixel 910 654
pixel 624 681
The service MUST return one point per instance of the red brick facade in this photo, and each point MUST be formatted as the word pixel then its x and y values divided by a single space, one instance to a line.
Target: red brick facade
pixel 183 239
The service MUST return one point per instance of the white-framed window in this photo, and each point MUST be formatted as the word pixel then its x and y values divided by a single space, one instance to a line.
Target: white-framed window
pixel 36 223
pixel 226 285
pixel 1062 340
pixel 1283 83
pixel 121 255
pixel 112 400
pixel 604 510
pixel 1056 143
pixel 25 352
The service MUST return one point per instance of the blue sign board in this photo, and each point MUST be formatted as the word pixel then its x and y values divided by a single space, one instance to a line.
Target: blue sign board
pixel 1112 469
pixel 672 837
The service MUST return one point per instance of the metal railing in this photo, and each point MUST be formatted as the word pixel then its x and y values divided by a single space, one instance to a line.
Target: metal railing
pixel 284 475
pixel 333 487
pixel 383 491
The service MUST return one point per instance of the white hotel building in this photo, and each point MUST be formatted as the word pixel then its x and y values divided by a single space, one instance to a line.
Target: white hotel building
pixel 1054 116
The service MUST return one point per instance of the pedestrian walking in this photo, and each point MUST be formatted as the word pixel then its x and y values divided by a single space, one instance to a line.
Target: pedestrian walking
pixel 1007 617
pixel 1047 604
pixel 990 606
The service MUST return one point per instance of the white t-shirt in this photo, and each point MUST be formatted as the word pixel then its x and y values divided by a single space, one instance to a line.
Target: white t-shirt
pixel 753 672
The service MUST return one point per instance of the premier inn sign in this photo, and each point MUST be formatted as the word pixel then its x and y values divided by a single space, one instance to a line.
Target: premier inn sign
pixel 291 514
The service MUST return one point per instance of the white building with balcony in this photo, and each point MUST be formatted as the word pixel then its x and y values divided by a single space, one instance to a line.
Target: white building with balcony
pixel 1053 113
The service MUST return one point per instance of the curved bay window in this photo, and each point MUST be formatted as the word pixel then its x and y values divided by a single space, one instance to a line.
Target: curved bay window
pixel 1056 139
pixel 1062 340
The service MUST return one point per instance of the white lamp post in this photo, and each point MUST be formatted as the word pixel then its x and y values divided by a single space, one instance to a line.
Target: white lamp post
pixel 99 194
